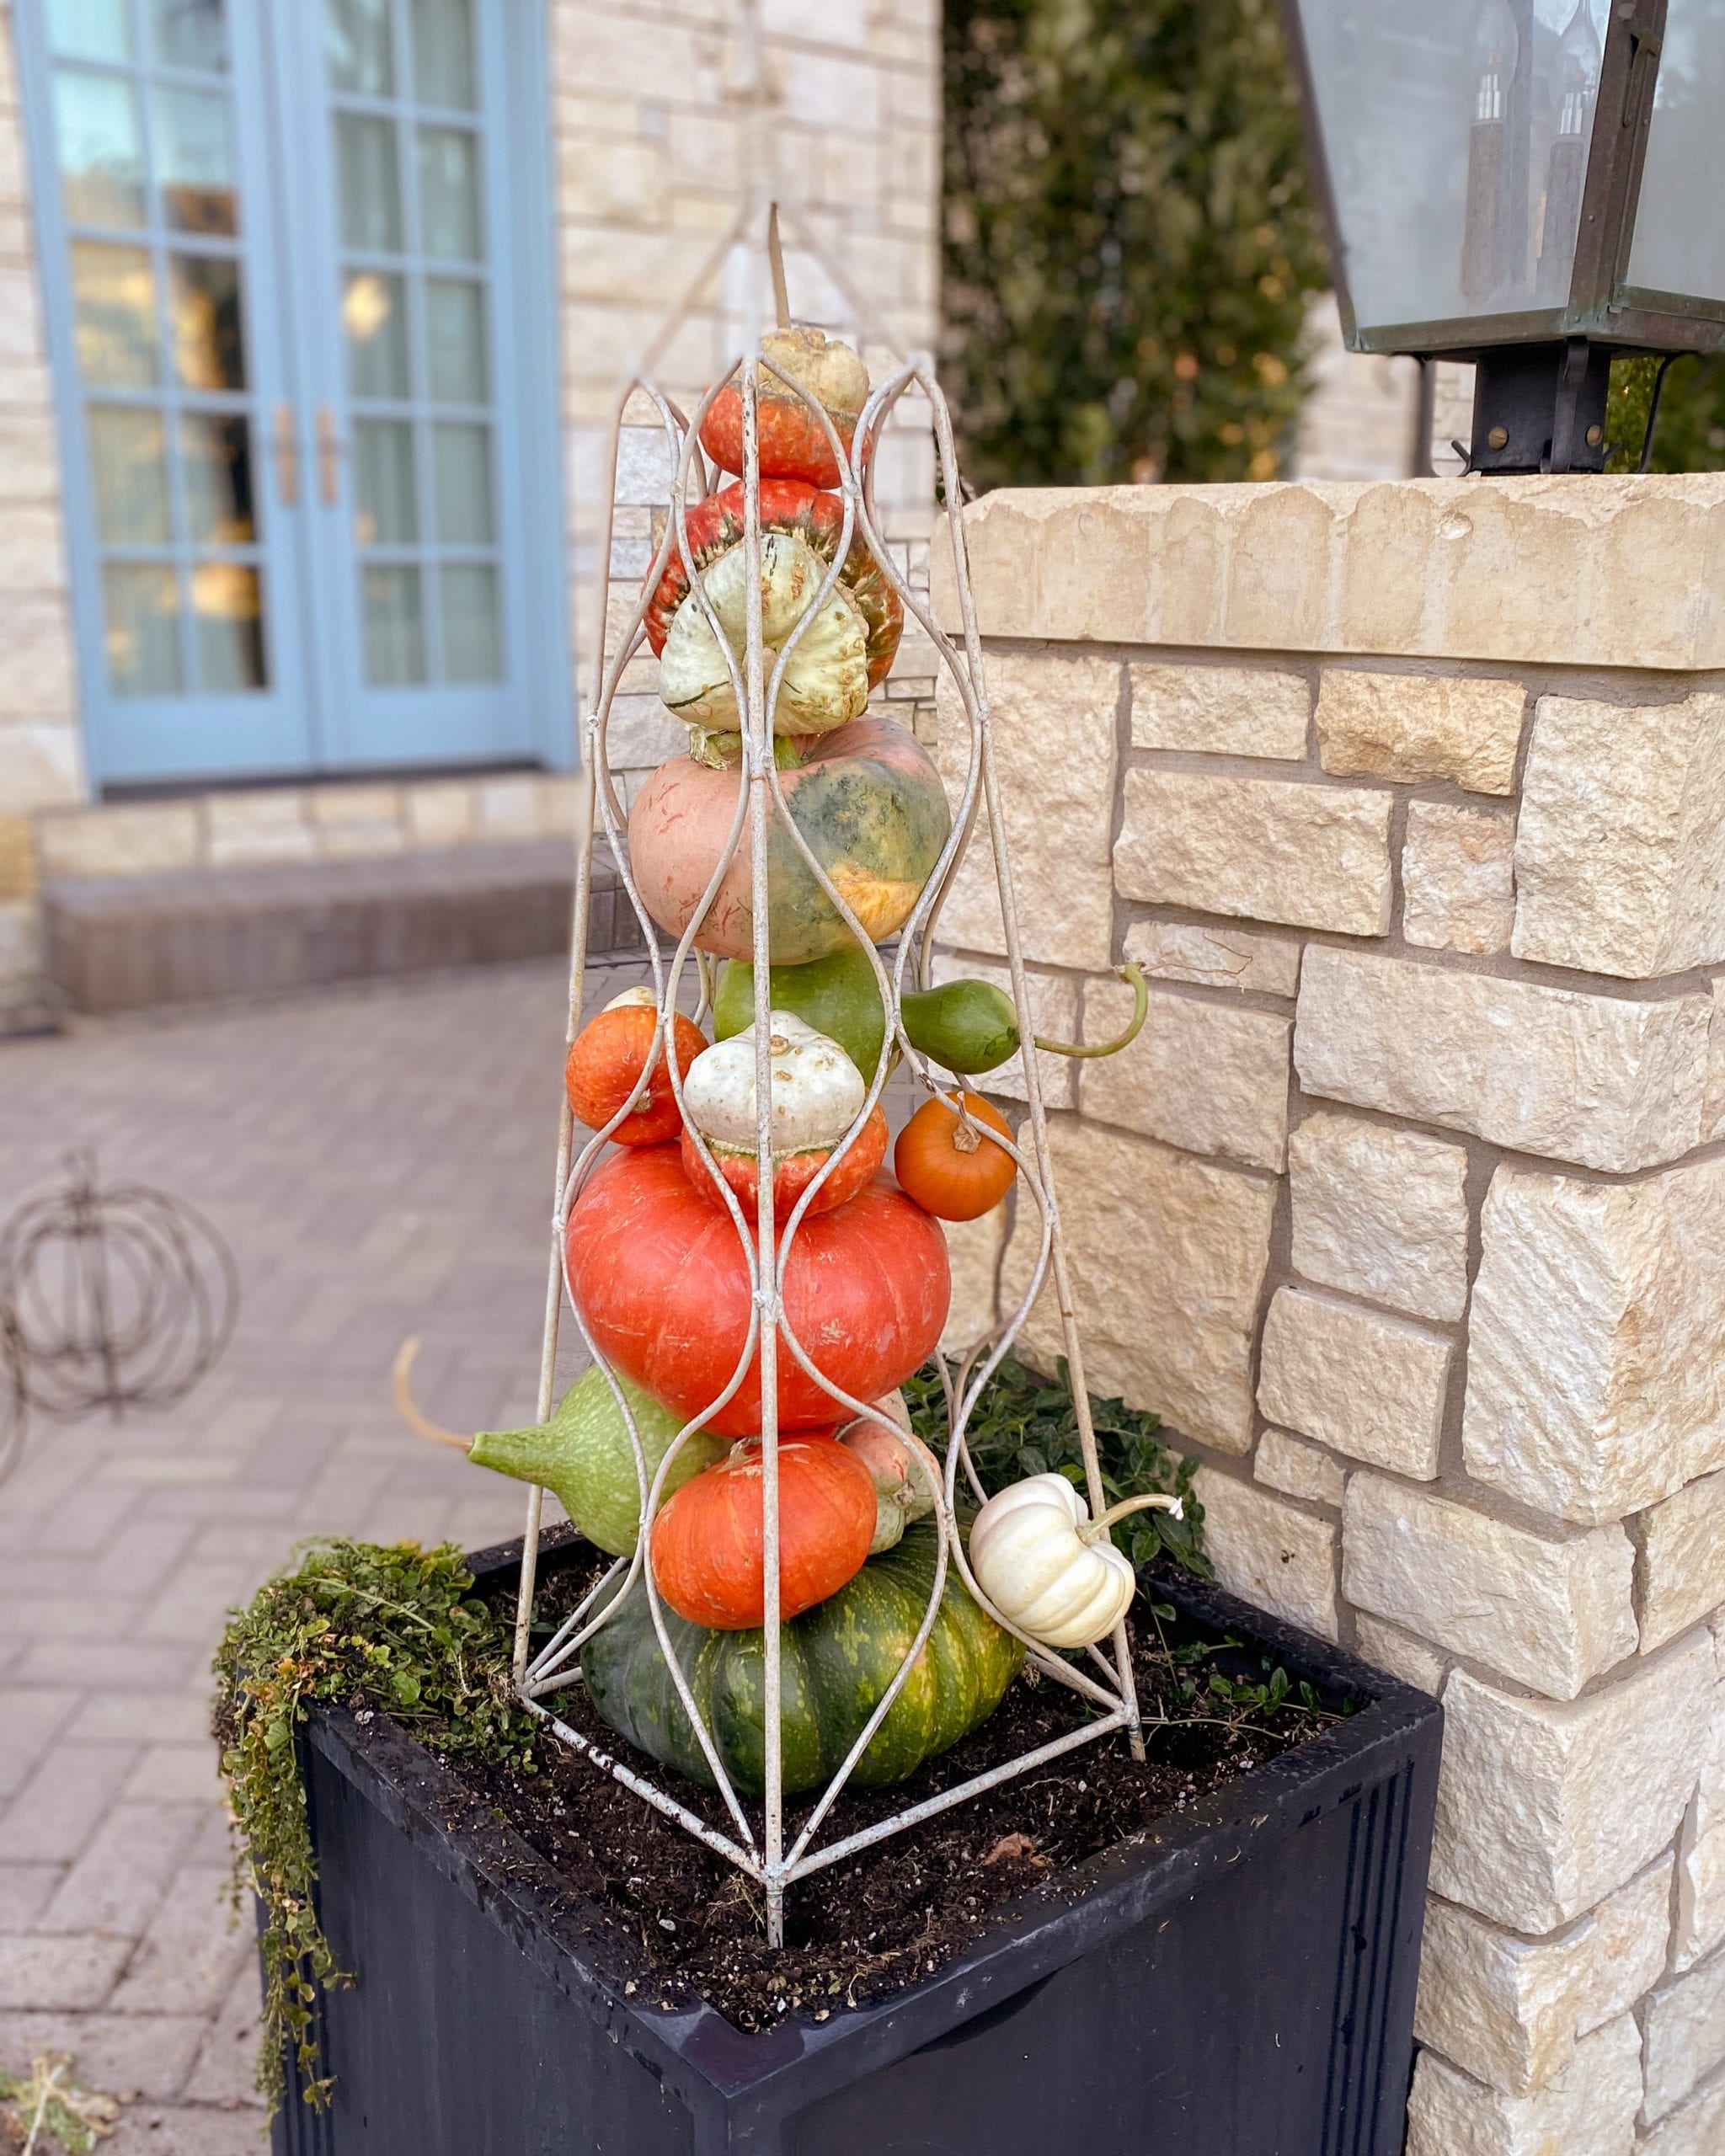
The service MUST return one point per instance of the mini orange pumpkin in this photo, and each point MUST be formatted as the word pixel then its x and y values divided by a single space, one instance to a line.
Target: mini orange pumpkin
pixel 949 1168
pixel 608 1057
pixel 707 1542
pixel 793 443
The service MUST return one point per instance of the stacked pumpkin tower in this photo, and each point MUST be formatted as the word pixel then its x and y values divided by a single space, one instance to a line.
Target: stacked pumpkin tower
pixel 814 1599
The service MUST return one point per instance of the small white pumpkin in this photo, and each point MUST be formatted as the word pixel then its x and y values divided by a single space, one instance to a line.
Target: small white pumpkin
pixel 827 677
pixel 1048 1567
pixel 817 1091
pixel 902 1491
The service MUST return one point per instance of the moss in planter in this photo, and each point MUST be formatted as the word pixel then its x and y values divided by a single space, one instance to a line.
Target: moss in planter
pixel 396 1628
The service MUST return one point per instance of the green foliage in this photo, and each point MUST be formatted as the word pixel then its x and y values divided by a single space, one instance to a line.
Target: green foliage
pixel 396 1629
pixel 1129 239
pixel 1024 1424
pixel 1691 435
pixel 1236 1699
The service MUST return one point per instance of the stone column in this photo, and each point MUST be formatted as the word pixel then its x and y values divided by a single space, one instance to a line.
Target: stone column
pixel 1407 1210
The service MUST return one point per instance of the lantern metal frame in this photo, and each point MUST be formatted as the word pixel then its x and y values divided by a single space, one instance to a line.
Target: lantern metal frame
pixel 1546 366
pixel 780 1853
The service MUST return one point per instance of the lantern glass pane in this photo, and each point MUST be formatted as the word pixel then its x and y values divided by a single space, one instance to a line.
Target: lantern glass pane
pixel 1456 139
pixel 1679 226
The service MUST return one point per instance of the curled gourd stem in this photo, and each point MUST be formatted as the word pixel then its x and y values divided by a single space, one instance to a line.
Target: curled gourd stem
pixel 1098 1528
pixel 408 1408
pixel 1134 978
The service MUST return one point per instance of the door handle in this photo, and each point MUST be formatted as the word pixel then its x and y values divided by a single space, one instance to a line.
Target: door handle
pixel 329 449
pixel 287 456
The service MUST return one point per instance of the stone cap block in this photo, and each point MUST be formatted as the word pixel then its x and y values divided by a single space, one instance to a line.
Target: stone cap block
pixel 1567 569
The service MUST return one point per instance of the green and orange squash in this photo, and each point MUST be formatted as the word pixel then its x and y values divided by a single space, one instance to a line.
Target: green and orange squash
pixel 866 797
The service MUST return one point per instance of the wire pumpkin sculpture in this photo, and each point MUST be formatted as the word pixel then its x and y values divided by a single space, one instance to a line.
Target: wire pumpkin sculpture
pixel 778 1854
pixel 111 1298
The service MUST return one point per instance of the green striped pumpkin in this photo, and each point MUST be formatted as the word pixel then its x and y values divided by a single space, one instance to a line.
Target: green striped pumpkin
pixel 838 1659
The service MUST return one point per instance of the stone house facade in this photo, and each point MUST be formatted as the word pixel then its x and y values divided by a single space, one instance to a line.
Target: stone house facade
pixel 1409 800
pixel 630 136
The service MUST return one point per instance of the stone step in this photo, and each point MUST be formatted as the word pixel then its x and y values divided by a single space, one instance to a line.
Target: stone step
pixel 127 942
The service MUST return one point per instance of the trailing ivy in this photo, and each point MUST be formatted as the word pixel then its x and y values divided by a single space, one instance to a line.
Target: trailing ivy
pixel 1024 1424
pixel 1129 240
pixel 396 1629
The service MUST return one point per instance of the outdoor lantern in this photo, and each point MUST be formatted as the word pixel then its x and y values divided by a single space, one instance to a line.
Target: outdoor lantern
pixel 1532 184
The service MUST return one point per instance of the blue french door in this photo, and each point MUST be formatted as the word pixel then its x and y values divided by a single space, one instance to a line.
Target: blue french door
pixel 295 254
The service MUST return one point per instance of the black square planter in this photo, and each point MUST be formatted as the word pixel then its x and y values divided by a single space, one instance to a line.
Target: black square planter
pixel 1239 1982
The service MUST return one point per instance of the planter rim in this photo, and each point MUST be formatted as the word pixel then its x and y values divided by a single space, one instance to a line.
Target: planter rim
pixel 578 1943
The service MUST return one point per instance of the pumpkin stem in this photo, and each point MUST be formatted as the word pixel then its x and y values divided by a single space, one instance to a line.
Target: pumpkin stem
pixel 1134 978
pixel 966 1138
pixel 1098 1528
pixel 775 263
pixel 408 1407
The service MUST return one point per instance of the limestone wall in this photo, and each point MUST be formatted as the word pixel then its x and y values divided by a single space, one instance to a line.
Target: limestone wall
pixel 1407 1210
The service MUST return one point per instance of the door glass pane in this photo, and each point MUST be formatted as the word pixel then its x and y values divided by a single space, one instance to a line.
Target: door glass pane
pixel 448 194
pixel 113 301
pixel 395 626
pixel 215 458
pixel 371 190
pixel 142 636
pixel 208 340
pixel 126 457
pixel 195 161
pixel 227 624
pixel 89 30
pixel 461 458
pixel 454 341
pixel 374 317
pixel 443 53
pixel 187 34
pixel 356 45
pixel 472 647
pixel 101 150
pixel 383 455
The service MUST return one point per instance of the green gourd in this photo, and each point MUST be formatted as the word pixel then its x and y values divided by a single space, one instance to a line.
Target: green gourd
pixel 835 1664
pixel 583 1457
pixel 963 1025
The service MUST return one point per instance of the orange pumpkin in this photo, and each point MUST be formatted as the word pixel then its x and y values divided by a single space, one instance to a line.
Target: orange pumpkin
pixel 609 1055
pixel 793 443
pixel 791 1172
pixel 707 1542
pixel 660 1275
pixel 947 1165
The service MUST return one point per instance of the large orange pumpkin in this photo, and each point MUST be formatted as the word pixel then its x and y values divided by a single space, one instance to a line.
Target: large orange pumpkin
pixel 706 1541
pixel 658 1275
pixel 868 799
pixel 808 513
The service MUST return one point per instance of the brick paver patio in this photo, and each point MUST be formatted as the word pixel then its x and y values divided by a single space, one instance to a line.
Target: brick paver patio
pixel 380 1161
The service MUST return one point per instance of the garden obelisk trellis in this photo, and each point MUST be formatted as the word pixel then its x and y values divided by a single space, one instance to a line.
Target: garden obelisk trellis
pixel 757 1842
